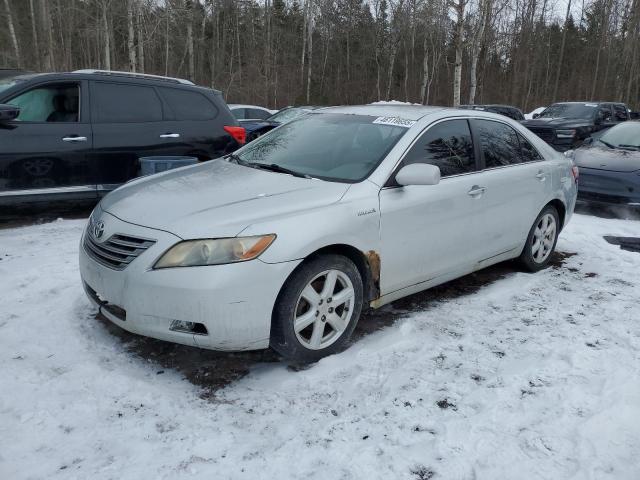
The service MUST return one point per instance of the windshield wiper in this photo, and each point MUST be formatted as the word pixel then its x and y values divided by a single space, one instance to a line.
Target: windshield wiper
pixel 274 167
pixel 606 143
pixel 235 158
pixel 633 147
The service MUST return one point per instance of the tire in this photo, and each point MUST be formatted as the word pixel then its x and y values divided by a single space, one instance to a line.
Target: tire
pixel 309 321
pixel 541 241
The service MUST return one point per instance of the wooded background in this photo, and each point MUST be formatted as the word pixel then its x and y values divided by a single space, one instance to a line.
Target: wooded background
pixel 526 53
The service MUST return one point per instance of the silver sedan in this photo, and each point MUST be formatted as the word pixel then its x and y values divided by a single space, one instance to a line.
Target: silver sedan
pixel 284 243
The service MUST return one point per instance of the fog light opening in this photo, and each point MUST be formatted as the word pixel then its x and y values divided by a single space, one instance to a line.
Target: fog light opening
pixel 188 327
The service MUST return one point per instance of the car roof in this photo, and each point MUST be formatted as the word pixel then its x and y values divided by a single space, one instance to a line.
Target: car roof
pixel 125 77
pixel 242 105
pixel 410 112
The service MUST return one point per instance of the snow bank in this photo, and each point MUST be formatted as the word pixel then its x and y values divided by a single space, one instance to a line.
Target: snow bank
pixel 533 376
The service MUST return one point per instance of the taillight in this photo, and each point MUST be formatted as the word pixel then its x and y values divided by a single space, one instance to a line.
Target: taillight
pixel 238 133
pixel 575 172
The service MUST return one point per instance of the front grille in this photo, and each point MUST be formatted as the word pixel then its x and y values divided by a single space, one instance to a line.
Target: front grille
pixel 118 251
pixel 544 133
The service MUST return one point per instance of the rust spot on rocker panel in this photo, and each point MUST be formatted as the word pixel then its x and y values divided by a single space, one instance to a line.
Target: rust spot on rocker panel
pixel 373 259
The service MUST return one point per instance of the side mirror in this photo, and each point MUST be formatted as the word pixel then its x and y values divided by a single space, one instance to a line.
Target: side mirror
pixel 418 174
pixel 536 115
pixel 8 113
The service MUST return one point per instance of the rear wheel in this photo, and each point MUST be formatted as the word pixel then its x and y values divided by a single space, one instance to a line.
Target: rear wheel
pixel 317 309
pixel 541 241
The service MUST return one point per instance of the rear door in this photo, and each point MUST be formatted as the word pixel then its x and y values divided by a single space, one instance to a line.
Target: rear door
pixel 516 180
pixel 127 124
pixel 45 150
pixel 195 123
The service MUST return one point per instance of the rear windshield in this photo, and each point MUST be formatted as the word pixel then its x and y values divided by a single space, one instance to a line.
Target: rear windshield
pixel 330 146
pixel 570 110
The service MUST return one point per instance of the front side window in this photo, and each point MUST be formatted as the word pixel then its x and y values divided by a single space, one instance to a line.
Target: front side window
pixel 499 142
pixel 53 103
pixel 331 146
pixel 620 112
pixel 188 105
pixel 120 103
pixel 447 145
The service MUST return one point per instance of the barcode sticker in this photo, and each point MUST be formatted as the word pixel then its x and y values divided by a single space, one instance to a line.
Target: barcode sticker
pixel 395 121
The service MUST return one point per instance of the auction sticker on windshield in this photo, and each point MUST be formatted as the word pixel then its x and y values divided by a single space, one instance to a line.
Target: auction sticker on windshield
pixel 395 121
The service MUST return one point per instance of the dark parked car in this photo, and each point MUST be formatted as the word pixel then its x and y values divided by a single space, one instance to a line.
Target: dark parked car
pixel 566 125
pixel 506 110
pixel 609 166
pixel 255 128
pixel 78 135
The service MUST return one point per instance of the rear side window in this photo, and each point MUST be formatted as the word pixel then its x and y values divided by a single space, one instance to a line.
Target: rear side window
pixel 446 145
pixel 120 103
pixel 188 105
pixel 239 113
pixel 529 152
pixel 499 142
pixel 256 113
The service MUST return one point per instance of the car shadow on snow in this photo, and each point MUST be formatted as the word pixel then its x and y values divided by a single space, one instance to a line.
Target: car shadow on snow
pixel 212 370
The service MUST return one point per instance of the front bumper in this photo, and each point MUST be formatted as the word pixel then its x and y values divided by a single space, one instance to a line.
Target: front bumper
pixel 234 302
pixel 608 188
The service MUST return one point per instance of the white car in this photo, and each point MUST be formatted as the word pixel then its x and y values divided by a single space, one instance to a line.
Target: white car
pixel 536 111
pixel 283 243
pixel 250 112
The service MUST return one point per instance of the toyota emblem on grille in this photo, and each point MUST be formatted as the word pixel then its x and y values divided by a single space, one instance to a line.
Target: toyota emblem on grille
pixel 98 229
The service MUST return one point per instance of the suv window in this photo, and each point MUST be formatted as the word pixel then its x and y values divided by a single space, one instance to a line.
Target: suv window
pixel 529 152
pixel 604 113
pixel 53 103
pixel 620 112
pixel 187 105
pixel 120 103
pixel 447 145
pixel 500 143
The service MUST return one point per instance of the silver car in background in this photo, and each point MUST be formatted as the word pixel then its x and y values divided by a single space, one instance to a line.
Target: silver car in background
pixel 283 243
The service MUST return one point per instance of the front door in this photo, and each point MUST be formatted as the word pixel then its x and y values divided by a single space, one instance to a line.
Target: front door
pixel 45 149
pixel 431 231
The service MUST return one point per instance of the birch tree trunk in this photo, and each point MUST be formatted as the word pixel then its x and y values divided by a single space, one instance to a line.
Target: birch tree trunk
pixel 107 37
pixel 561 55
pixel 131 45
pixel 310 49
pixel 190 54
pixel 457 69
pixel 34 33
pixel 425 71
pixel 12 34
pixel 478 41
pixel 141 39
pixel 305 16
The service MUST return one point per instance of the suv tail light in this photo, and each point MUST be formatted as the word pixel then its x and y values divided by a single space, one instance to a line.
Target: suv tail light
pixel 238 133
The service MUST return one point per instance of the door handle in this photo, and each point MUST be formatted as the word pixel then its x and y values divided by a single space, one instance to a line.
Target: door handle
pixel 476 191
pixel 541 176
pixel 74 139
pixel 170 135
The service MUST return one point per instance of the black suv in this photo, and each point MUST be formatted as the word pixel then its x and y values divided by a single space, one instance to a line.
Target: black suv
pixel 78 135
pixel 565 125
pixel 506 110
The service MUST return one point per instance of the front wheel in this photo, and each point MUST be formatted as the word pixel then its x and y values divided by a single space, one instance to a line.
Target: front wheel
pixel 317 309
pixel 541 241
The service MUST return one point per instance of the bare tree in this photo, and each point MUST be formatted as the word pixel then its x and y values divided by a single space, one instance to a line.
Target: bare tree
pixel 458 7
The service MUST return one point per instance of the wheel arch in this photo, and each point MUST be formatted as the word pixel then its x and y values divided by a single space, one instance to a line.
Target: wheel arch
pixel 560 208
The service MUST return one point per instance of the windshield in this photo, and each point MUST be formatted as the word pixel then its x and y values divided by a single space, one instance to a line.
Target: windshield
pixel 570 110
pixel 330 146
pixel 288 114
pixel 625 135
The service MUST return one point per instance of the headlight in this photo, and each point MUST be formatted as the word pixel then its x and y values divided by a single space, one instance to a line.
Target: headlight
pixel 565 133
pixel 192 253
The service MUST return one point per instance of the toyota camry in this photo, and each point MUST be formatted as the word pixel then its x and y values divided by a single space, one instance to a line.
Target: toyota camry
pixel 286 241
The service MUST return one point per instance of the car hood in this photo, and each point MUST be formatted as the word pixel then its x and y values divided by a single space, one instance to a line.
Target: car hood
pixel 558 122
pixel 604 158
pixel 216 199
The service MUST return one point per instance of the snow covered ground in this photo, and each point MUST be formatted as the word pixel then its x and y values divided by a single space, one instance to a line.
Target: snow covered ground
pixel 527 377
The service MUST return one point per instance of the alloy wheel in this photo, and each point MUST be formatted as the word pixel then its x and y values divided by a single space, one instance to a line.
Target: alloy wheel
pixel 324 309
pixel 544 237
